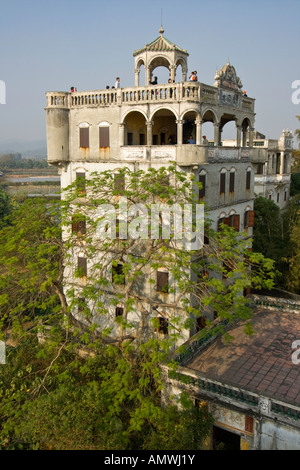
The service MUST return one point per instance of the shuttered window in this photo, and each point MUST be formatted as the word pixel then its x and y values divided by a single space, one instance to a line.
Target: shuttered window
pixel 223 220
pixel 249 219
pixel 104 137
pixel 84 137
pixel 78 225
pixel 248 179
pixel 80 180
pixel 163 325
pixel 118 274
pixel 235 222
pixel 231 182
pixel 162 281
pixel 222 182
pixel 82 266
pixel 119 183
pixel 202 180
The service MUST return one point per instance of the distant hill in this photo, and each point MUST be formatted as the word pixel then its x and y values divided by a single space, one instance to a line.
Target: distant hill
pixel 28 149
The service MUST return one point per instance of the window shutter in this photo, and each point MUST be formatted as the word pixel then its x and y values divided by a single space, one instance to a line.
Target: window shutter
pixel 78 225
pixel 223 220
pixel 74 224
pixel 236 222
pixel 119 183
pixel 104 137
pixel 82 265
pixel 231 182
pixel 202 180
pixel 248 179
pixel 222 182
pixel 251 219
pixel 84 137
pixel 162 283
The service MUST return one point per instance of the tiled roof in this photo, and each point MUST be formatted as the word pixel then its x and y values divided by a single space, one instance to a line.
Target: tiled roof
pixel 160 44
pixel 261 363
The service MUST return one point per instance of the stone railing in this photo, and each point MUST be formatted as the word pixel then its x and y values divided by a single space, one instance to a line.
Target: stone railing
pixel 263 179
pixel 171 92
pixel 248 104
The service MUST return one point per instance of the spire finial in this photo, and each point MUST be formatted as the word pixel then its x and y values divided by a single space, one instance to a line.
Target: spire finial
pixel 161 31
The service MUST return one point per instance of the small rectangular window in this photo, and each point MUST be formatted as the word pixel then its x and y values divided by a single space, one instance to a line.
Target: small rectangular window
pixel 119 311
pixel 222 182
pixel 231 182
pixel 79 225
pixel 84 137
pixel 162 281
pixel 142 139
pixel 104 137
pixel 80 180
pixel 163 325
pixel 119 183
pixel 118 274
pixel 202 180
pixel 248 179
pixel 82 266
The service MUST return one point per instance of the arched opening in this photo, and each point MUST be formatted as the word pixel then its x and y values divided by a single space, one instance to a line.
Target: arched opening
pixel 228 130
pixel 181 71
pixel 189 127
pixel 135 129
pixel 229 134
pixel 164 128
pixel 245 132
pixel 208 128
pixel 159 67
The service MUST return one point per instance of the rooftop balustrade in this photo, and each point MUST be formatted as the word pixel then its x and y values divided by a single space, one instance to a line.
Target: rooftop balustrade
pixel 170 92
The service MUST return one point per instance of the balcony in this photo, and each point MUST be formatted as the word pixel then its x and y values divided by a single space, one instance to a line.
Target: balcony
pixel 170 92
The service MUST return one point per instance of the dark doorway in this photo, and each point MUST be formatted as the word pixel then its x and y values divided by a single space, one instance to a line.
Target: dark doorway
pixel 225 440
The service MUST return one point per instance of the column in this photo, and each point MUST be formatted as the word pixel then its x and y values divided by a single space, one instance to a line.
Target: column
pixel 179 131
pixel 198 131
pixel 216 134
pixel 148 75
pixel 238 135
pixel 121 134
pixel 149 132
pixel 137 77
pixel 172 73
pixel 281 162
pixel 251 134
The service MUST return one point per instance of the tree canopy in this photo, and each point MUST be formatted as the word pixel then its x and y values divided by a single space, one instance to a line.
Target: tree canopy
pixel 81 374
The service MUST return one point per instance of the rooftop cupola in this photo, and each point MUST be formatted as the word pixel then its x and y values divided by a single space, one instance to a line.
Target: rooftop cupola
pixel 160 53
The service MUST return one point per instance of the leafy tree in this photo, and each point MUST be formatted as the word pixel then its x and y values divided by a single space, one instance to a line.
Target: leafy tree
pixel 5 207
pixel 118 382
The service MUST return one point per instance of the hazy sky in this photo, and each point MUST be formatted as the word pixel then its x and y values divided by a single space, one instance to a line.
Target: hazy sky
pixel 50 46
